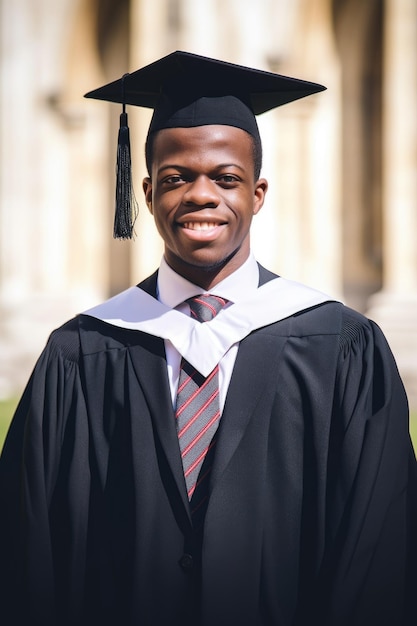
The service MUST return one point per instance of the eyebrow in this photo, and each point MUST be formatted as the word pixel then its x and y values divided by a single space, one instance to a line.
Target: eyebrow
pixel 183 168
pixel 239 167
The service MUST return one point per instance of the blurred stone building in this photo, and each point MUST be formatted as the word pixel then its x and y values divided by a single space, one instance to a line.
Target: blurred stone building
pixel 341 213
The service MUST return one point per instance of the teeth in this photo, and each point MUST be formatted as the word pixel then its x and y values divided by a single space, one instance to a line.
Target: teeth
pixel 200 225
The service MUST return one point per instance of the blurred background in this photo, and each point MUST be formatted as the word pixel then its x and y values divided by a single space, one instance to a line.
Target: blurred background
pixel 341 213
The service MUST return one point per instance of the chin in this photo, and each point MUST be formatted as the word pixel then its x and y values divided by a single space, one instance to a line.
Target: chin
pixel 209 263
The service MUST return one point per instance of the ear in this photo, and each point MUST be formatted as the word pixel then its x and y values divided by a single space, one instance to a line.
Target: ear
pixel 261 187
pixel 147 190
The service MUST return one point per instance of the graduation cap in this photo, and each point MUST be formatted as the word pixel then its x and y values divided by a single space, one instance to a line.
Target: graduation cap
pixel 187 90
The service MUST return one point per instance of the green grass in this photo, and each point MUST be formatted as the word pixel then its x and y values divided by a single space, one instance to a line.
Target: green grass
pixel 413 429
pixel 7 408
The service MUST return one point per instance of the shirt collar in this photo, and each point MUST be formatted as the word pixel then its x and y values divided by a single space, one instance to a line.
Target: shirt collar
pixel 174 289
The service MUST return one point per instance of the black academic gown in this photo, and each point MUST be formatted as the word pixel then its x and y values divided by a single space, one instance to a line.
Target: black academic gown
pixel 312 513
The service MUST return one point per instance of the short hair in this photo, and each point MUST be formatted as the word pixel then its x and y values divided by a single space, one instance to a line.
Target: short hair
pixel 256 153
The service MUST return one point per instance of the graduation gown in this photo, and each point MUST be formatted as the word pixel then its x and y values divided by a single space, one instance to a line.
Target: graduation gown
pixel 312 516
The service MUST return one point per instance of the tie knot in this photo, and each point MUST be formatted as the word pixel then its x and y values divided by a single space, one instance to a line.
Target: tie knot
pixel 205 307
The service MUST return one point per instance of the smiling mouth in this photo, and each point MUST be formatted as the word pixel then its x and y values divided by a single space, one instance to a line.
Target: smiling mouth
pixel 200 225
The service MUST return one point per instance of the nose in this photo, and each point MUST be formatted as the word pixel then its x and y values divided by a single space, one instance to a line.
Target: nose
pixel 202 192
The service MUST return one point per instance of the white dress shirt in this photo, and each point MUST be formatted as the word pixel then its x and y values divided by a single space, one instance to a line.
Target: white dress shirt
pixel 173 290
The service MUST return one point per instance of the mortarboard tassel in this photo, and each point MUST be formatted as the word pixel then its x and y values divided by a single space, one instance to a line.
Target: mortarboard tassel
pixel 127 208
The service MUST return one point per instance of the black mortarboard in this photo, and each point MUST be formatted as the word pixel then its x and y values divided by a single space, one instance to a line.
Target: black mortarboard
pixel 187 90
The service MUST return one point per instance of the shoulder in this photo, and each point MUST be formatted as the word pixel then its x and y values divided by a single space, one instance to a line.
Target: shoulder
pixel 65 340
pixel 334 318
pixel 85 335
pixel 356 327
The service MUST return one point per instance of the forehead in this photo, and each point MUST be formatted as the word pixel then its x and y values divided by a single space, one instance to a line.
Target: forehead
pixel 206 141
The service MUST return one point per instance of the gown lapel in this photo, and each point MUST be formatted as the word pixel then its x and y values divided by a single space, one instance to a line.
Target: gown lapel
pixel 254 378
pixel 151 371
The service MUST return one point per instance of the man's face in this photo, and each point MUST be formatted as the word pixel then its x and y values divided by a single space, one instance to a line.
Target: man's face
pixel 203 196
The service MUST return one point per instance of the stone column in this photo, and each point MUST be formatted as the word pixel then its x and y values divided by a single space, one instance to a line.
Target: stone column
pixel 51 165
pixel 395 307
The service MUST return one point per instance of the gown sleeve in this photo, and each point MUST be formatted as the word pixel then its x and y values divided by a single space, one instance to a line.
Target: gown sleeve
pixel 370 563
pixel 48 431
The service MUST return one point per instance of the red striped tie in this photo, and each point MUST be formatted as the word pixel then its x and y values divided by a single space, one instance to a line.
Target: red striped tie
pixel 197 407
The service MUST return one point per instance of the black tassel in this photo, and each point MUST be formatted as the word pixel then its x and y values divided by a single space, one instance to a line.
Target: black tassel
pixel 127 208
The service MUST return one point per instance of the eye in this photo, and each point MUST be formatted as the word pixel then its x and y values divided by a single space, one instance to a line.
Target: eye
pixel 227 179
pixel 174 179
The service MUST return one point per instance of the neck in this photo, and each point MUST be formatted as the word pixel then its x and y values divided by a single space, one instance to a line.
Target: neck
pixel 207 277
